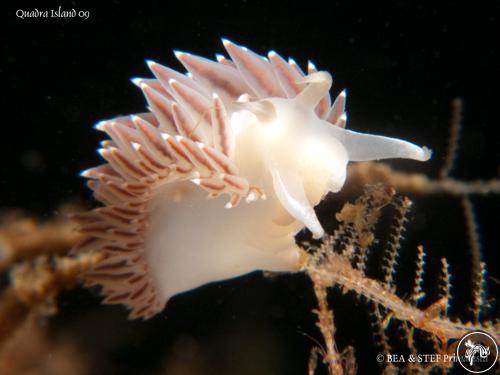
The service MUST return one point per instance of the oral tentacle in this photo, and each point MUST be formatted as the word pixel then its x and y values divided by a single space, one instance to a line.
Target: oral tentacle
pixel 289 189
pixel 364 147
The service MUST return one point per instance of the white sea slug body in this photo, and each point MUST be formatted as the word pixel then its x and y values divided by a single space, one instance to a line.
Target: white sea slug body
pixel 254 129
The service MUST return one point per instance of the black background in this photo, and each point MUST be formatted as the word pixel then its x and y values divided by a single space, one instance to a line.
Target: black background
pixel 402 63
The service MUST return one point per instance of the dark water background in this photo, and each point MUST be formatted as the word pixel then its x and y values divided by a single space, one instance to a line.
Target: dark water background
pixel 401 62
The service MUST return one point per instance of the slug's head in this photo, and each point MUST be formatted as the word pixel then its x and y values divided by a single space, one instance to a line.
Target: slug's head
pixel 301 157
pixel 306 156
pixel 298 143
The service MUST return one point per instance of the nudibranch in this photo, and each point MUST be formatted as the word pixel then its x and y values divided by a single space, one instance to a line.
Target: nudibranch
pixel 252 128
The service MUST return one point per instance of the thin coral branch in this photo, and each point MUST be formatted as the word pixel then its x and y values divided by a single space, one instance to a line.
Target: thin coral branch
pixel 379 325
pixel 313 360
pixel 35 285
pixel 418 291
pixel 327 327
pixel 457 187
pixel 358 221
pixel 361 174
pixel 38 271
pixel 445 286
pixel 453 141
pixel 337 271
pixel 478 267
pixel 23 237
pixel 12 314
pixel 402 205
